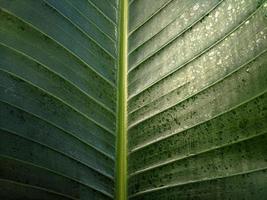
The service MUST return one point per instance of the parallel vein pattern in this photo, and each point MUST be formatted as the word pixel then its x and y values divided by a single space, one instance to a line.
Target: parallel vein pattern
pixel 197 99
pixel 58 99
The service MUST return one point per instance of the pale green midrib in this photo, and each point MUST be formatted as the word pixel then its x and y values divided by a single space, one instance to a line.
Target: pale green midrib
pixel 121 143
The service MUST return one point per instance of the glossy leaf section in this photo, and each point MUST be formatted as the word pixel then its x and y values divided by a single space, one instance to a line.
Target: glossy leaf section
pixel 197 99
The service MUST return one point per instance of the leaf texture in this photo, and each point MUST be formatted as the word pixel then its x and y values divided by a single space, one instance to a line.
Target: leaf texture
pixel 197 99
pixel 186 120
pixel 58 64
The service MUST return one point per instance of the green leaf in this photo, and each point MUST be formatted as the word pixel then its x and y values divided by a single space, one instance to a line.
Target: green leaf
pixel 58 98
pixel 138 99
pixel 197 100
